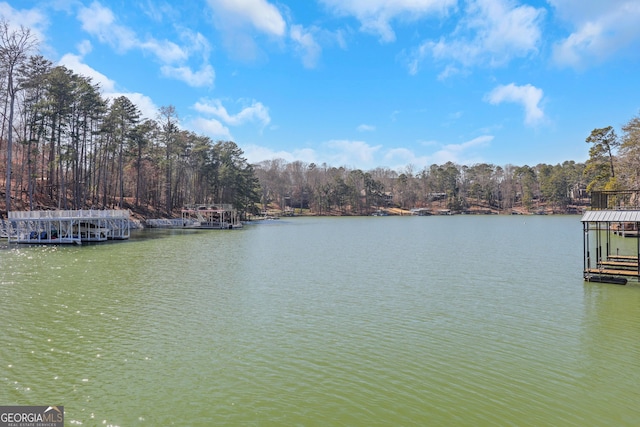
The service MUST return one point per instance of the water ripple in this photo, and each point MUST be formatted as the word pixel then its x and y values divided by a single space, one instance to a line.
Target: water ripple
pixel 354 321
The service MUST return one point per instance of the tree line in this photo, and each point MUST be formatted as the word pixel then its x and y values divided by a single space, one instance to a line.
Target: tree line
pixel 330 190
pixel 66 146
pixel 613 164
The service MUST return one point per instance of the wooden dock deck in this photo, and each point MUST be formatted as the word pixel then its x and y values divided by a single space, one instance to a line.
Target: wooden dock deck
pixel 612 272
pixel 621 264
pixel 630 258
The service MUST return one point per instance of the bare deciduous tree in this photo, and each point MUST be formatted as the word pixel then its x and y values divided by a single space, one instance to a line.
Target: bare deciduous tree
pixel 15 45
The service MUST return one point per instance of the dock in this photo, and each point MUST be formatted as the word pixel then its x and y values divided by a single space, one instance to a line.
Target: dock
pixel 613 218
pixel 67 226
pixel 203 216
pixel 220 216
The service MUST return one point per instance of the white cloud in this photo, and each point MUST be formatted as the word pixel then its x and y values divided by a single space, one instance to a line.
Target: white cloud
pixel 239 21
pixel 337 153
pixel 528 96
pixel 84 47
pixel 260 14
pixel 33 19
pixel 203 77
pixel 452 119
pixel 460 153
pixel 256 154
pixel 348 153
pixel 165 50
pixel 107 86
pixel 100 22
pixel 75 64
pixel 449 70
pixel 491 33
pixel 210 127
pixel 306 45
pixel 480 141
pixel 242 22
pixel 255 112
pixel 366 128
pixel 463 153
pixel 196 42
pixel 307 155
pixel 602 30
pixel 375 16
pixel 157 11
pixel 145 104
pixel 362 155
pixel 397 158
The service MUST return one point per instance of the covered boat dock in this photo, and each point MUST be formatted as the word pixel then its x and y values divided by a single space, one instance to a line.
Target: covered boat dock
pixel 67 226
pixel 219 216
pixel 609 256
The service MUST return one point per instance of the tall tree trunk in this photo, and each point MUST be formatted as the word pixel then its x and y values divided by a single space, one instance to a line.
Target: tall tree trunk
pixel 138 163
pixel 12 98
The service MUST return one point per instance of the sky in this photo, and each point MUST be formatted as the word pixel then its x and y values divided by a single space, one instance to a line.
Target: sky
pixel 399 84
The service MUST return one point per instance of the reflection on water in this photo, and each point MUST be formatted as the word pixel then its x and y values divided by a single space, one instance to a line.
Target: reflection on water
pixel 323 321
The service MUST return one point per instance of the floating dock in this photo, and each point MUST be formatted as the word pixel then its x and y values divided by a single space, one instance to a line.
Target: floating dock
pixel 67 226
pixel 607 258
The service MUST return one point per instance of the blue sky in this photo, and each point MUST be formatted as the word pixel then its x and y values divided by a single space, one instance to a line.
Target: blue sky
pixel 361 83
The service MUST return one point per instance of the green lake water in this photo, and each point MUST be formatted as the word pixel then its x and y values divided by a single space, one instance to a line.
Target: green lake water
pixel 377 321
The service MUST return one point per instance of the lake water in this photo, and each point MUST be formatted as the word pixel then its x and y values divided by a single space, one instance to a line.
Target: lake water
pixel 377 321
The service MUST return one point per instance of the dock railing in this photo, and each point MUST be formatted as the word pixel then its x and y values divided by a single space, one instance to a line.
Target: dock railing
pixel 209 206
pixel 68 214
pixel 615 200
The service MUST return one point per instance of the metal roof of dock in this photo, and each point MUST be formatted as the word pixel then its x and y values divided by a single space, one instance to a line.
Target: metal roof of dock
pixel 611 216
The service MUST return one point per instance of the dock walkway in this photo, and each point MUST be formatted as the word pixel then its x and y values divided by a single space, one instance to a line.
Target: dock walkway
pixel 621 264
pixel 612 272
